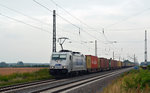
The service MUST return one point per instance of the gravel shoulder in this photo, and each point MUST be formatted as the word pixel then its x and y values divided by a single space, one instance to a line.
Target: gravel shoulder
pixel 96 87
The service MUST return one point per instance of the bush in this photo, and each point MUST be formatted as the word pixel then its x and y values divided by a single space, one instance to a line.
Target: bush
pixel 148 67
pixel 137 79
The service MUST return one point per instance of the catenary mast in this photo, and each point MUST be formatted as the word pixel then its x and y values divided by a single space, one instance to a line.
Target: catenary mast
pixel 145 46
pixel 54 31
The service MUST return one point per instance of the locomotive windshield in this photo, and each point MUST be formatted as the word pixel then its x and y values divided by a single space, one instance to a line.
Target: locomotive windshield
pixel 59 57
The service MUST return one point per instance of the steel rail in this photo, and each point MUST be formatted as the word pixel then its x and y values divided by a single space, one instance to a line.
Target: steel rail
pixel 56 85
pixel 13 88
pixel 69 85
pixel 84 83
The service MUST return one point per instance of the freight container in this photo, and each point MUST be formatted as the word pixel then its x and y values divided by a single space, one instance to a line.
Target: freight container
pixel 99 64
pixel 123 64
pixel 91 62
pixel 88 62
pixel 104 63
pixel 110 61
pixel 126 64
pixel 107 64
pixel 119 64
pixel 115 64
pixel 112 64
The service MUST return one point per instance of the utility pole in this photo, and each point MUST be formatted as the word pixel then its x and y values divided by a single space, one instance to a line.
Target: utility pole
pixel 54 31
pixel 113 55
pixel 134 58
pixel 95 47
pixel 145 46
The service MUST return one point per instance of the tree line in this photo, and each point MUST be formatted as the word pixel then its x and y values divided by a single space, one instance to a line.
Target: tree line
pixel 21 64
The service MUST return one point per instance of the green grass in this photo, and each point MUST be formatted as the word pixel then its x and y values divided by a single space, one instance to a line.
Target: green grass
pixel 134 81
pixel 138 79
pixel 24 77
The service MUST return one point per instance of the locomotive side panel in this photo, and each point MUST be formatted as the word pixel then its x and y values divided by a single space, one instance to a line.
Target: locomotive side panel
pixel 78 63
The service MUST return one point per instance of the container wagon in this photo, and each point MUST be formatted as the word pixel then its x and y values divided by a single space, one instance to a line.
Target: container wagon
pixel 115 64
pixel 112 64
pixel 119 64
pixel 99 67
pixel 124 65
pixel 104 64
pixel 92 63
pixel 107 64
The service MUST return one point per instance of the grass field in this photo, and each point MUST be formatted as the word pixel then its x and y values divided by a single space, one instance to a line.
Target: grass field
pixel 21 77
pixel 9 71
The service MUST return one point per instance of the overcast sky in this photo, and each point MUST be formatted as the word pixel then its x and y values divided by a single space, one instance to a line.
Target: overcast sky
pixel 26 28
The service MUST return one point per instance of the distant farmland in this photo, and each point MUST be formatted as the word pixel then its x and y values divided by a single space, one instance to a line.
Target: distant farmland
pixel 8 71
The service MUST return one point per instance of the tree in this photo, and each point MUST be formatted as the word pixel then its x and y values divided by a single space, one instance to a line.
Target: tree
pixel 3 64
pixel 20 63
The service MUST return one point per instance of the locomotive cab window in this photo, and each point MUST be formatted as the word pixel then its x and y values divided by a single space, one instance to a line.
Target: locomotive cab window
pixel 63 56
pixel 59 57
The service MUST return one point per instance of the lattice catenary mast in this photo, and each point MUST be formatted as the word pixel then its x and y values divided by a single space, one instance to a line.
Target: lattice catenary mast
pixel 54 31
pixel 145 46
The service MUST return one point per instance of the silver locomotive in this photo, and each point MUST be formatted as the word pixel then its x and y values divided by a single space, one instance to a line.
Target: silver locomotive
pixel 66 62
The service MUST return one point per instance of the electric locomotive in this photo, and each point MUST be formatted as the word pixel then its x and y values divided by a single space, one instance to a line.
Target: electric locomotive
pixel 66 62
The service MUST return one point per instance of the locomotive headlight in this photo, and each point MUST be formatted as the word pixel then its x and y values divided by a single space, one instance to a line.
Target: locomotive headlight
pixel 64 67
pixel 52 67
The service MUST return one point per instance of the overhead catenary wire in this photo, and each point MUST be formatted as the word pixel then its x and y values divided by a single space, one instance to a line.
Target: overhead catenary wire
pixel 79 21
pixel 25 23
pixel 71 14
pixel 136 14
pixel 76 18
pixel 23 14
pixel 106 34
pixel 35 19
pixel 56 14
pixel 68 21
pixel 65 19
pixel 127 29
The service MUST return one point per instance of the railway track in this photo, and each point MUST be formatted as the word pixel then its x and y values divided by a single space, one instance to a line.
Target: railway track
pixel 60 86
pixel 23 85
pixel 15 88
pixel 74 85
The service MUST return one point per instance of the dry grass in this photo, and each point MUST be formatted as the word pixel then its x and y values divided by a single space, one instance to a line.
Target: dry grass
pixel 115 87
pixel 8 71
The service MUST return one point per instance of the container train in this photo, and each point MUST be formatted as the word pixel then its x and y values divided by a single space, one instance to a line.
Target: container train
pixel 66 62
